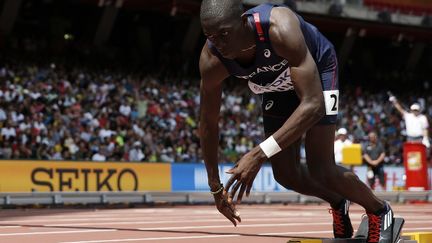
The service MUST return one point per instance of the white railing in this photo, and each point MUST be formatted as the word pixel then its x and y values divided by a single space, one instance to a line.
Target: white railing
pixel 82 198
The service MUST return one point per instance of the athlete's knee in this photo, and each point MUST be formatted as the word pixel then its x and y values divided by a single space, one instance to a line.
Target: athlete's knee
pixel 332 177
pixel 286 178
pixel 292 179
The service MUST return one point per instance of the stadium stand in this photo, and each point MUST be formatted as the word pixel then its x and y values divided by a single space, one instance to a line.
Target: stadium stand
pixel 56 113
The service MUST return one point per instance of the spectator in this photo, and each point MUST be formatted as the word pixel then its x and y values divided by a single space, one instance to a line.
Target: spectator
pixel 341 141
pixel 416 124
pixel 8 131
pixel 50 108
pixel 99 155
pixel 373 154
pixel 136 154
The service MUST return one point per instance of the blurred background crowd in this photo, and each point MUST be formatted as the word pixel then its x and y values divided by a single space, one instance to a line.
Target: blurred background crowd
pixel 53 112
pixel 118 80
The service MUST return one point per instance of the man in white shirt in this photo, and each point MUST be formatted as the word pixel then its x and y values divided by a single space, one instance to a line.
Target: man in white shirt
pixel 8 131
pixel 416 124
pixel 136 154
pixel 341 141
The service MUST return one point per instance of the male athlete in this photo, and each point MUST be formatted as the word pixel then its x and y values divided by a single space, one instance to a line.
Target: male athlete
pixel 293 67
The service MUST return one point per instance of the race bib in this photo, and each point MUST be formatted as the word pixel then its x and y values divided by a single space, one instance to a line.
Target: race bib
pixel 331 100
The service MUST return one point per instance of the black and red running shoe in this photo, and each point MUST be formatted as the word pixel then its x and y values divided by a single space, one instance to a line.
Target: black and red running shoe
pixel 342 227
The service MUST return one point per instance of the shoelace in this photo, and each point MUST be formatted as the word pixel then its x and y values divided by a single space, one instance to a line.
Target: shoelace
pixel 374 228
pixel 339 226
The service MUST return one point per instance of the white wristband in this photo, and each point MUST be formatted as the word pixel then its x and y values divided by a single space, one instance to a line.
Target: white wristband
pixel 270 147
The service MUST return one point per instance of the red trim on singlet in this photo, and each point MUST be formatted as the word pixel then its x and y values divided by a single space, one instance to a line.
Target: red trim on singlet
pixel 258 26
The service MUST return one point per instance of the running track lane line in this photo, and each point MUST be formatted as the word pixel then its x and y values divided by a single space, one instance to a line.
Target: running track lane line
pixel 231 226
pixel 57 232
pixel 244 226
pixel 211 236
pixel 195 237
pixel 156 238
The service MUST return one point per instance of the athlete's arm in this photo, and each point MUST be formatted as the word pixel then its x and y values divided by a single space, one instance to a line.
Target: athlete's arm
pixel 288 42
pixel 212 75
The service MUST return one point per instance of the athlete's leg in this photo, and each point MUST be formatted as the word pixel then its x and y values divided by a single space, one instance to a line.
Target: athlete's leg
pixel 321 164
pixel 287 169
pixel 291 174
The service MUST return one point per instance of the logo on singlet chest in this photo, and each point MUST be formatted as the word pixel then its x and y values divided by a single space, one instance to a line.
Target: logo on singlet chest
pixel 281 83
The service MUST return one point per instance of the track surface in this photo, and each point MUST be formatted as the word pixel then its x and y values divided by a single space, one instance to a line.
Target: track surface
pixel 261 223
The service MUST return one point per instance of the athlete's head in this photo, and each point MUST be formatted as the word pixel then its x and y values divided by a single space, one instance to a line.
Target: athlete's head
pixel 223 25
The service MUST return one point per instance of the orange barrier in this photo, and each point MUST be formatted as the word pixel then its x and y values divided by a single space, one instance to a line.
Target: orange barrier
pixel 48 176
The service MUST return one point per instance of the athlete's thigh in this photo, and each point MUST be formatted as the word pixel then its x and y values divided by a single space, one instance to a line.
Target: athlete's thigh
pixel 319 141
pixel 319 145
pixel 287 161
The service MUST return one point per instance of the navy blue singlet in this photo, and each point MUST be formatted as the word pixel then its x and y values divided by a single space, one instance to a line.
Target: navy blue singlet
pixel 270 74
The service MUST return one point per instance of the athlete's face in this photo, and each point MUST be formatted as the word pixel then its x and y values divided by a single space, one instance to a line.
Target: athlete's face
pixel 226 36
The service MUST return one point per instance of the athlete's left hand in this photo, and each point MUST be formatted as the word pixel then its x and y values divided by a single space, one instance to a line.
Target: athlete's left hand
pixel 244 173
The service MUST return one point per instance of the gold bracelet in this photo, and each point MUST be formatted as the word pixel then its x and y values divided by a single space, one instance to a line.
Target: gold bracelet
pixel 218 190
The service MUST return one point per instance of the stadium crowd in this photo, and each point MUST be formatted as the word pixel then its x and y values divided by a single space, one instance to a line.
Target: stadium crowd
pixel 55 113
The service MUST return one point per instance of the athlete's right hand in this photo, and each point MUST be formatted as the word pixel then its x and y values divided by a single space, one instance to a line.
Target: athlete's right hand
pixel 226 207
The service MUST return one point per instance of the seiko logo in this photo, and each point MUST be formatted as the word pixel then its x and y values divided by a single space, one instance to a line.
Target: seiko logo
pixel 264 69
pixel 269 105
pixel 267 53
pixel 281 83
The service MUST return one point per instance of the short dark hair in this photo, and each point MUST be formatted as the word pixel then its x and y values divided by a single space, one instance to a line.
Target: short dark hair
pixel 221 9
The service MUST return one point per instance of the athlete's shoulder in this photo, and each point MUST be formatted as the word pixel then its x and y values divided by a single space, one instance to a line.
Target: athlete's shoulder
pixel 286 35
pixel 210 65
pixel 282 17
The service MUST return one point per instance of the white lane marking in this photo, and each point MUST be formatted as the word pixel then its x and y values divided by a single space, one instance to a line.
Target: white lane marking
pixel 10 227
pixel 328 231
pixel 253 225
pixel 175 221
pixel 230 226
pixel 417 228
pixel 57 232
pixel 299 232
pixel 155 238
pixel 110 218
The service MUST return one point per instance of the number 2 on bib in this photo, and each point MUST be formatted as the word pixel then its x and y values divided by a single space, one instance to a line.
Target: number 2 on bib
pixel 331 100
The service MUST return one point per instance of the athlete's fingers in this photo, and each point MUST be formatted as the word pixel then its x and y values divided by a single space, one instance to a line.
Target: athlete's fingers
pixel 237 216
pixel 229 215
pixel 234 189
pixel 234 211
pixel 248 188
pixel 231 180
pixel 229 211
pixel 241 192
pixel 232 170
